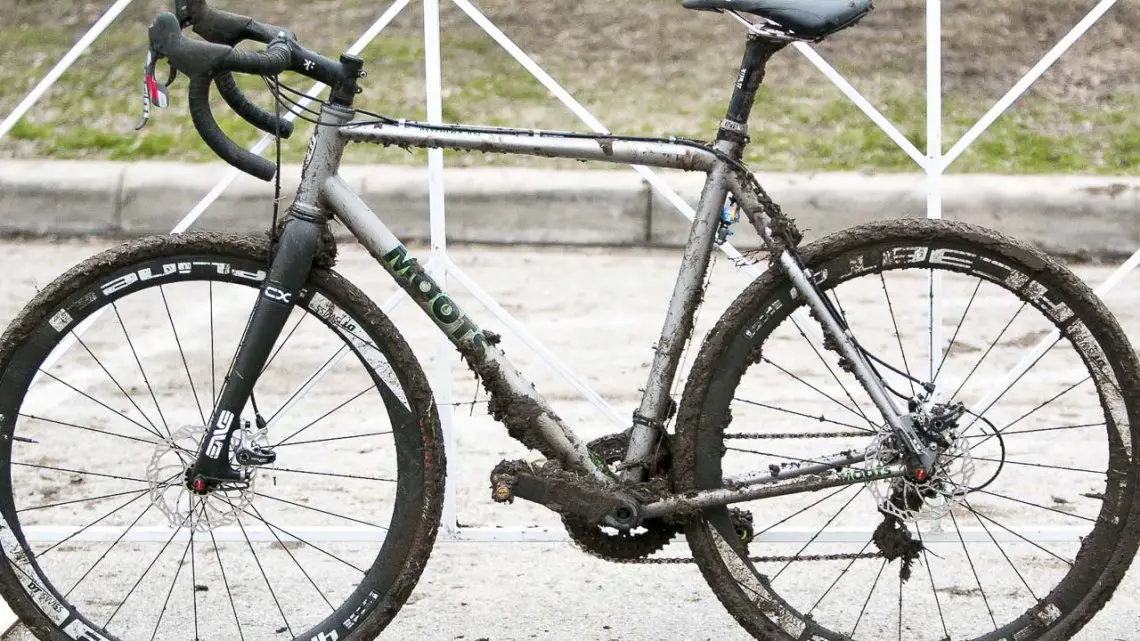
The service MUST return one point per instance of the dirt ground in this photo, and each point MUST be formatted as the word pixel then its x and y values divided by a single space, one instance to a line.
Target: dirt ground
pixel 598 311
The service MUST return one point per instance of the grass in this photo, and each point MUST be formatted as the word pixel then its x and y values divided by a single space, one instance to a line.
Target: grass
pixel 651 70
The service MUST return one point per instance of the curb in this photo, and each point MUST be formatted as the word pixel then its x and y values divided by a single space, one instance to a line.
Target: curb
pixel 1084 216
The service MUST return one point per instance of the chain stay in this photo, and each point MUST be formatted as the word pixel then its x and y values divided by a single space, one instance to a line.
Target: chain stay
pixel 797 435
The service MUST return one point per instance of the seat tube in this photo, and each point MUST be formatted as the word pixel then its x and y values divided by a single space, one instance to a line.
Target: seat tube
pixel 656 403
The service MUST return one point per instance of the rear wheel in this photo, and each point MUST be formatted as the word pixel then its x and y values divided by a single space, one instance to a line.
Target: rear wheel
pixel 102 537
pixel 1027 525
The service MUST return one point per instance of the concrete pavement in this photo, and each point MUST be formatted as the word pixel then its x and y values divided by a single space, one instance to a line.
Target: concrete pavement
pixel 1068 215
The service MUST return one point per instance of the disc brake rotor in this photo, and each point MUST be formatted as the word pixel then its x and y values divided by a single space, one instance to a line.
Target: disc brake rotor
pixel 909 499
pixel 166 474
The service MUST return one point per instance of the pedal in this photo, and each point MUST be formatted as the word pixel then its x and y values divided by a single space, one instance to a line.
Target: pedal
pixel 547 484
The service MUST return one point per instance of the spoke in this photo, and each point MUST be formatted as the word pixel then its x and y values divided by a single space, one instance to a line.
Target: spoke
pixel 1041 465
pixel 170 592
pixel 930 318
pixel 141 493
pixel 265 577
pixel 958 328
pixel 185 365
pixel 838 578
pixel 898 337
pixel 900 604
pixel 225 581
pixel 829 397
pixel 801 511
pixel 282 346
pixel 868 601
pixel 343 476
pixel 1035 409
pixel 933 589
pixel 89 429
pixel 305 385
pixel 98 362
pixel 141 370
pixel 1015 382
pixel 1023 538
pixel 309 507
pixel 988 350
pixel 62 469
pixel 257 515
pixel 325 415
pixel 193 563
pixel 821 418
pixel 74 501
pixel 819 531
pixel 1001 549
pixel 294 559
pixel 140 579
pixel 973 569
pixel 988 435
pixel 333 438
pixel 1030 503
pixel 108 551
pixel 834 376
pixel 150 430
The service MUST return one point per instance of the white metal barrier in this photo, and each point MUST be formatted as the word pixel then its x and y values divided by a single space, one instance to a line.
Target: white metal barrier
pixel 933 162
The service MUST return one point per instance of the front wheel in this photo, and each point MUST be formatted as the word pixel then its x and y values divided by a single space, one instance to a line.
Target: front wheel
pixel 1020 379
pixel 103 539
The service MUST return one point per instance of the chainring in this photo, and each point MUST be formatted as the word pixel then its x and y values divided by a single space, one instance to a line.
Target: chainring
pixel 610 543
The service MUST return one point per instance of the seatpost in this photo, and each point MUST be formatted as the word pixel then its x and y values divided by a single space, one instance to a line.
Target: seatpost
pixel 758 51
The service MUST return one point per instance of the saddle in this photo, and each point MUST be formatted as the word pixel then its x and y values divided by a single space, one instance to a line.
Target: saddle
pixel 799 19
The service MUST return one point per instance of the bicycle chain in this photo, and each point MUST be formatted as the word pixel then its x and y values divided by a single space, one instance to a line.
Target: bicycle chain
pixel 615 443
pixel 762 559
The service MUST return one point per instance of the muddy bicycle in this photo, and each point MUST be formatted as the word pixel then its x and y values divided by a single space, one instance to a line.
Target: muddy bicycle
pixel 202 410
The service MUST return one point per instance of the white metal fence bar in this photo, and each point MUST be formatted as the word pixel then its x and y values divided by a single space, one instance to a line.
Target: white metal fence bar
pixel 441 386
pixel 521 331
pixel 862 103
pixel 287 533
pixel 1027 80
pixel 64 63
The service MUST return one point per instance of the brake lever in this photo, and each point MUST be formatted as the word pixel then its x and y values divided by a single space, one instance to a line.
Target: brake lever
pixel 153 92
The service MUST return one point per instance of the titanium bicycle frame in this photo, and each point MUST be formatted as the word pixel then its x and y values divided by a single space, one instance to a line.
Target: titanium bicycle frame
pixel 323 195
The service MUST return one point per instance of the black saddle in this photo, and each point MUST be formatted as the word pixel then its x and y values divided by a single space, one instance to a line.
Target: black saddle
pixel 803 19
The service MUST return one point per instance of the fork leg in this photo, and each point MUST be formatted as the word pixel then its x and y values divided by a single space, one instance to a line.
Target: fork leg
pixel 282 285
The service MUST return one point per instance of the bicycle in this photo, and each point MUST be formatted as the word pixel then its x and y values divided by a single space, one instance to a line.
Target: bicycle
pixel 908 455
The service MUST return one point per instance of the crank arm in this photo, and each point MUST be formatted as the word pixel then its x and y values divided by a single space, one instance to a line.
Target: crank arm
pixel 694 501
pixel 547 484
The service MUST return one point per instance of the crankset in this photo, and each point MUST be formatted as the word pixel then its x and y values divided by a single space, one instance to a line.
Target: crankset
pixel 614 544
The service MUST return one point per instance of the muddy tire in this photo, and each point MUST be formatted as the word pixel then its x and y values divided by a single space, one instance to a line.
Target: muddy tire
pixel 1067 465
pixel 325 543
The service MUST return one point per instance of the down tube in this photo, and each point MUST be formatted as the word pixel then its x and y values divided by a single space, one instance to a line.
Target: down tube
pixel 515 403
